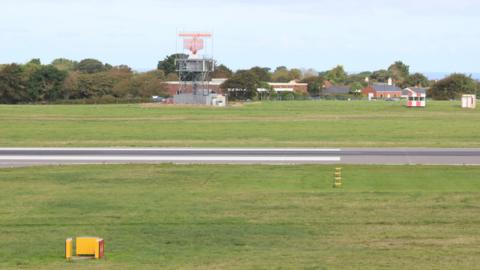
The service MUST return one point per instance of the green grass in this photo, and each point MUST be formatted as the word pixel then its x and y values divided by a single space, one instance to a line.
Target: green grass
pixel 270 124
pixel 242 216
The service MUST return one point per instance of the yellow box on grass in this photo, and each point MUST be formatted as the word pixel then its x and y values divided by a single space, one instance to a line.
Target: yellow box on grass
pixel 86 245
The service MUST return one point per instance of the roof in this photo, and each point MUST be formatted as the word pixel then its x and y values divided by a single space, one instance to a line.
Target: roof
pixel 337 90
pixel 418 90
pixel 385 87
pixel 292 83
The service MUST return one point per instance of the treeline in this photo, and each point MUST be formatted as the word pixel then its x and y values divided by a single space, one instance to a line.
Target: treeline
pixel 67 81
pixel 255 78
pixel 91 81
pixel 451 87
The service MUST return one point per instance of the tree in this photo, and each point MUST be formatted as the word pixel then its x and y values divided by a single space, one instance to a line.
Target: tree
pixel 117 82
pixel 263 73
pixel 418 79
pixel 12 86
pixel 94 85
pixel 64 64
pixel 30 68
pixel 47 84
pixel 222 71
pixel 90 66
pixel 453 87
pixel 337 75
pixel 356 87
pixel 35 61
pixel 314 85
pixel 281 74
pixel 295 74
pixel 242 85
pixel 70 84
pixel 123 89
pixel 399 73
pixel 358 78
pixel 148 84
pixel 381 75
pixel 107 66
pixel 168 64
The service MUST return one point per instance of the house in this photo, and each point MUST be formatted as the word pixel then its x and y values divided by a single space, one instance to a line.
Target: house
pixel 336 90
pixel 416 97
pixel 382 91
pixel 409 90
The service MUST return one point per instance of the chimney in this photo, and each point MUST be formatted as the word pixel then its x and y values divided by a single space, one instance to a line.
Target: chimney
pixel 390 81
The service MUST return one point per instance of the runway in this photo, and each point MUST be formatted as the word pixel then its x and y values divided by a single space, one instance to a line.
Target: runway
pixel 12 157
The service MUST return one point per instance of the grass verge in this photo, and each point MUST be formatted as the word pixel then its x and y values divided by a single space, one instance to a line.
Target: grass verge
pixel 269 124
pixel 242 216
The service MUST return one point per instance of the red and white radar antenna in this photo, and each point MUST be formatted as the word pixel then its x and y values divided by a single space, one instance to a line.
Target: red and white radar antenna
pixel 194 69
pixel 194 41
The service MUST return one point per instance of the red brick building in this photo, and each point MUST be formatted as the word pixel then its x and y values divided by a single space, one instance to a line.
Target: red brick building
pixel 173 87
pixel 382 91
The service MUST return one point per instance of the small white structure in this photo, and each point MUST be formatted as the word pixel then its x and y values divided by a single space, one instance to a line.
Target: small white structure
pixel 469 101
pixel 390 81
pixel 416 98
pixel 219 101
pixel 210 99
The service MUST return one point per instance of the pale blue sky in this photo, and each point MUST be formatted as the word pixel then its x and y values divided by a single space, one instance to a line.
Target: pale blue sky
pixel 429 35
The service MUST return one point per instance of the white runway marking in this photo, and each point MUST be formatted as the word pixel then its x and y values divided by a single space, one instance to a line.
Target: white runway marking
pixel 169 158
pixel 166 149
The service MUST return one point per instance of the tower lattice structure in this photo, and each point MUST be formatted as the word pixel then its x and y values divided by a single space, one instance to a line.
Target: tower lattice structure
pixel 194 69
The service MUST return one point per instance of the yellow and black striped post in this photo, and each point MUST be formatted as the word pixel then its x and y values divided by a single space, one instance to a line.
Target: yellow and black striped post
pixel 337 178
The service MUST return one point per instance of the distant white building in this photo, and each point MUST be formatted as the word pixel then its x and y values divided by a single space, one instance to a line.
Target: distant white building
pixel 469 101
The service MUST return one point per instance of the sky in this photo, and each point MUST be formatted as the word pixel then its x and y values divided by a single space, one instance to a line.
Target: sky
pixel 428 35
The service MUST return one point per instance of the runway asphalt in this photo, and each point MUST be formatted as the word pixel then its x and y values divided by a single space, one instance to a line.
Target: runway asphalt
pixel 12 157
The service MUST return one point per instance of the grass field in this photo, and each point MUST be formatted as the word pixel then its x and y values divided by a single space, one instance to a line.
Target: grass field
pixel 270 124
pixel 242 216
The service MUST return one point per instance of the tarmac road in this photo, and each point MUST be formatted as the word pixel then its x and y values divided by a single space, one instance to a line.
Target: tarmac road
pixel 12 157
